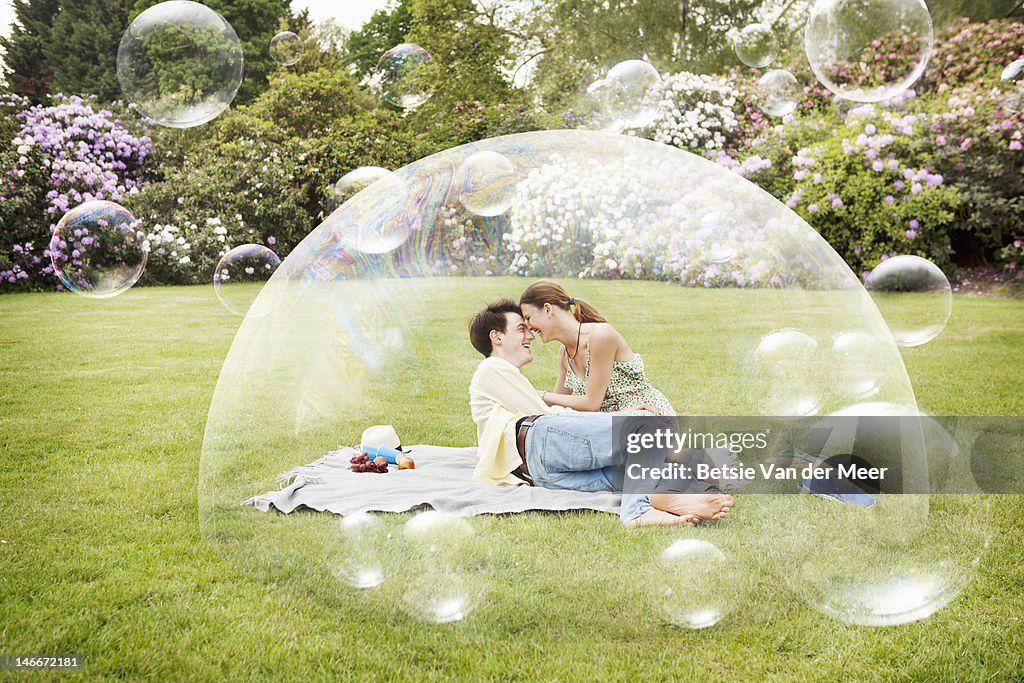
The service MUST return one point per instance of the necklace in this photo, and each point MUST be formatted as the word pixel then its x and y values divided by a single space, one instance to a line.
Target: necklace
pixel 577 351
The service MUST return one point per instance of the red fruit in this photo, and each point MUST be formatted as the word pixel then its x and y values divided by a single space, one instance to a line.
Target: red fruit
pixel 354 459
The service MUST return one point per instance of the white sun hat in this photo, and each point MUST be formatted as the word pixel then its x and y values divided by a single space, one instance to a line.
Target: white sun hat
pixel 381 435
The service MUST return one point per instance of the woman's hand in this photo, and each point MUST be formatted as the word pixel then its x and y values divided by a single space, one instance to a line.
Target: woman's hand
pixel 641 407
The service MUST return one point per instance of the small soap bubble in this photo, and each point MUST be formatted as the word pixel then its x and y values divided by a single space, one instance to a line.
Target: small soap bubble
pixel 914 297
pixel 692 584
pixel 286 48
pixel 488 183
pixel 240 276
pixel 363 538
pixel 405 76
pixel 630 94
pixel 98 250
pixel 782 363
pixel 756 45
pixel 779 91
pixel 869 50
pixel 1013 76
pixel 181 63
pixel 440 590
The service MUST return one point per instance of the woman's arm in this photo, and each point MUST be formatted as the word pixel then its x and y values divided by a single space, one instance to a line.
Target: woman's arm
pixel 602 345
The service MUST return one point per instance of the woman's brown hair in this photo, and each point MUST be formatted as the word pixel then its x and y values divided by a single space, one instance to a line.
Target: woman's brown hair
pixel 548 292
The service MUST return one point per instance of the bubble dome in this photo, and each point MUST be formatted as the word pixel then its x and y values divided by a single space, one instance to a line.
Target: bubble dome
pixel 181 63
pixel 355 337
pixel 869 50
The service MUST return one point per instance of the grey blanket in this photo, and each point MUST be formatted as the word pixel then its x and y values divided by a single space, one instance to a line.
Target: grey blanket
pixel 442 480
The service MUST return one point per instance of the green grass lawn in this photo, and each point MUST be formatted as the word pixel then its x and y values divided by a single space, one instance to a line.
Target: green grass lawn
pixel 104 409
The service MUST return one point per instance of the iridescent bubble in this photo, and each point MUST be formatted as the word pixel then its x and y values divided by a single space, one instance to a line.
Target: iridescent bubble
pixel 631 96
pixel 241 274
pixel 692 584
pixel 1013 75
pixel 784 364
pixel 756 45
pixel 389 217
pixel 439 590
pixel 869 50
pixel 779 91
pixel 913 296
pixel 405 76
pixel 488 183
pixel 363 538
pixel 98 250
pixel 286 48
pixel 181 63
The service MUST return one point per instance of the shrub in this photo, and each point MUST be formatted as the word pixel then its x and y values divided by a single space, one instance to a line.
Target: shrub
pixel 60 156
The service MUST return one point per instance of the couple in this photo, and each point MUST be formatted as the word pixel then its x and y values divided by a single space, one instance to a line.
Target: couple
pixel 558 439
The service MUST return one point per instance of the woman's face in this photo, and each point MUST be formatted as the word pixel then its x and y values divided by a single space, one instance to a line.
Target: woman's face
pixel 539 320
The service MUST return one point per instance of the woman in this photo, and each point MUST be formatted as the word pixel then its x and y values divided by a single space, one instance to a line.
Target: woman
pixel 597 370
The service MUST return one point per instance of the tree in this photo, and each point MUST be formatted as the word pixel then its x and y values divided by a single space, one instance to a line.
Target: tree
pixel 84 58
pixel 26 68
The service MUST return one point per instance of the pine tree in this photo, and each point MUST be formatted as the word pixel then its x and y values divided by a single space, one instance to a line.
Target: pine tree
pixel 83 51
pixel 26 69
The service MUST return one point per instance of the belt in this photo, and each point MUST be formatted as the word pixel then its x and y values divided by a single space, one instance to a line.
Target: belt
pixel 523 471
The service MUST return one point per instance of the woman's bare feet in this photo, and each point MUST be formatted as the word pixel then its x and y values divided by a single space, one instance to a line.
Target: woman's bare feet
pixel 707 506
pixel 655 517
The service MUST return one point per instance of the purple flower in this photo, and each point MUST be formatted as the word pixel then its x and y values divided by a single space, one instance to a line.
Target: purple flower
pixel 911 234
pixel 916 188
pixel 889 199
pixel 878 166
pixel 858 249
pixel 870 129
pixel 914 224
pixel 837 203
pixel 813 208
pixel 900 185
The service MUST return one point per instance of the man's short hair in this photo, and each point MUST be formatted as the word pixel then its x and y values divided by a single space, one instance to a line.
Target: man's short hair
pixel 490 318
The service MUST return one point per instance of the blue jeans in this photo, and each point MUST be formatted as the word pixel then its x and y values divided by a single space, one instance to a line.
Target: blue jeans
pixel 574 451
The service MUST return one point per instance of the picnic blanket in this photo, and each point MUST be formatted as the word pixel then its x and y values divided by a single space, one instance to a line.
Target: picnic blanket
pixel 442 480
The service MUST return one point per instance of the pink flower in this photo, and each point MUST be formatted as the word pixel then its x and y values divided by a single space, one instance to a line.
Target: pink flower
pixel 941 141
pixel 1012 265
pixel 271 240
pixel 1015 145
pixel 1007 124
pixel 1016 244
pixel 966 144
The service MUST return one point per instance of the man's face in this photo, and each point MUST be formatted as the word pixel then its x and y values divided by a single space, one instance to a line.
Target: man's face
pixel 515 341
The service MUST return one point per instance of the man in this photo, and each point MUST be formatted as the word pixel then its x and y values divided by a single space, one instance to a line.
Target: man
pixel 521 440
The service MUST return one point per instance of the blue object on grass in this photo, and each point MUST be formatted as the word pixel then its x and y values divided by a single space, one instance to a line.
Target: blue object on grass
pixel 838 490
pixel 386 452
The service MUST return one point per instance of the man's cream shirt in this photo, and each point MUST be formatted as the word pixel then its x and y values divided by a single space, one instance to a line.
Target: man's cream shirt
pixel 499 396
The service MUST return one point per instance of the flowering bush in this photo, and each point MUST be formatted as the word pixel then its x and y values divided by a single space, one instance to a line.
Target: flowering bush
pixel 60 156
pixel 870 191
pixel 696 113
pixel 634 214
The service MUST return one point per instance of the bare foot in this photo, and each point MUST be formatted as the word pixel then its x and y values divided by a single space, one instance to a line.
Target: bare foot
pixel 708 506
pixel 654 517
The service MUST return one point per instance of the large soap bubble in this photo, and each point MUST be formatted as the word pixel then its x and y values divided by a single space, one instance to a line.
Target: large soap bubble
pixel 914 296
pixel 405 76
pixel 756 45
pixel 181 63
pixel 98 250
pixel 355 338
pixel 286 48
pixel 868 50
pixel 779 91
pixel 240 275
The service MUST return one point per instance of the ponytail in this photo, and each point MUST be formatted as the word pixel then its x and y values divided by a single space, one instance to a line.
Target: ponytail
pixel 548 292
